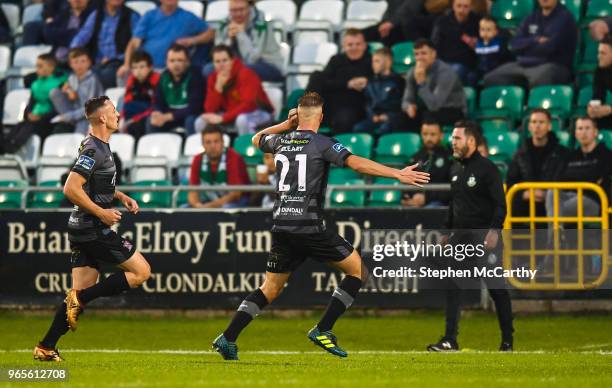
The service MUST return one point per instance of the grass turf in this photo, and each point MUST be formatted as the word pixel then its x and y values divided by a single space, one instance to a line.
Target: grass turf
pixel 139 350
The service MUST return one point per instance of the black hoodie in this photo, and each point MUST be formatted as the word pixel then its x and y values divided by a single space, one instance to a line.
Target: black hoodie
pixel 594 167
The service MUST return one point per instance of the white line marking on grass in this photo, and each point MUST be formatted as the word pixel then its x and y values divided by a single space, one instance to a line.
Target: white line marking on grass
pixel 595 346
pixel 295 352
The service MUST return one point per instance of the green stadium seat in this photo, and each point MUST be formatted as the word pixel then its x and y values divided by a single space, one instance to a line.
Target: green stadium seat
pixel 510 13
pixel 153 199
pixel 403 57
pixel 605 136
pixel 575 7
pixel 585 78
pixel 360 144
pixel 494 126
pixel 585 95
pixel 556 98
pixel 325 130
pixel 502 166
pixel 373 46
pixel 338 176
pixel 292 102
pixel 597 9
pixel 502 145
pixel 397 148
pixel 470 96
pixel 502 101
pixel 11 200
pixel 565 138
pixel 46 199
pixel 244 146
pixel 588 60
pixel 385 198
pixel 353 198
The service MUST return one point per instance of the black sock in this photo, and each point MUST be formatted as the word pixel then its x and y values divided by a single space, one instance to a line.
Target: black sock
pixel 453 312
pixel 341 300
pixel 58 328
pixel 112 285
pixel 248 309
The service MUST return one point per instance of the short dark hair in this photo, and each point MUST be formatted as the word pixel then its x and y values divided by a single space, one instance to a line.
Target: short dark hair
pixel 545 112
pixel 430 121
pixel 49 58
pixel 179 48
pixel 607 39
pixel 93 104
pixel 592 120
pixel 490 20
pixel 213 128
pixel 353 32
pixel 384 51
pixel 471 128
pixel 222 48
pixel 141 56
pixel 78 52
pixel 310 100
pixel 422 42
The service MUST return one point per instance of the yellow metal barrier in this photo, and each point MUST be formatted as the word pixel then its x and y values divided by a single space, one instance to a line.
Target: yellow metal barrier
pixel 511 253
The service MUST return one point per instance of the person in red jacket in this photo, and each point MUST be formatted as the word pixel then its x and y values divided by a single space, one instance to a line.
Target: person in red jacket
pixel 234 95
pixel 139 94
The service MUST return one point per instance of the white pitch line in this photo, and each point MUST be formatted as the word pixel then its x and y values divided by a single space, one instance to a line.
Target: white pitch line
pixel 294 352
pixel 594 346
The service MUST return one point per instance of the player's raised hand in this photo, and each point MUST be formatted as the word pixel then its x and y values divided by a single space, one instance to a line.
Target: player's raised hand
pixel 292 117
pixel 130 204
pixel 110 216
pixel 410 176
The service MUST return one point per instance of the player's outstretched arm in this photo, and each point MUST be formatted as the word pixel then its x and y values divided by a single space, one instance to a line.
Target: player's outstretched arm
pixel 73 190
pixel 408 175
pixel 285 126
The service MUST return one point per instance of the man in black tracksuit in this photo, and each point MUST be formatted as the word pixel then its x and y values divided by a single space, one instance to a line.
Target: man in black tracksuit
pixel 476 215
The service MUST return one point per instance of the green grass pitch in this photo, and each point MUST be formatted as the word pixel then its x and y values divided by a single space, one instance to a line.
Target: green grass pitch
pixel 136 350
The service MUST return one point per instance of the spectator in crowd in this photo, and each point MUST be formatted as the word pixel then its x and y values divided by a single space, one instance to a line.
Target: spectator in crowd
pixel 591 162
pixel 58 30
pixel 217 166
pixel 252 38
pixel 139 94
pixel 435 159
pixel 106 34
pixel 52 8
pixel 540 159
pixel 159 28
pixel 179 96
pixel 433 89
pixel 234 95
pixel 491 47
pixel 384 97
pixel 544 45
pixel 600 28
pixel 39 111
pixel 602 85
pixel 401 21
pixel 342 83
pixel 265 176
pixel 5 28
pixel 454 35
pixel 69 101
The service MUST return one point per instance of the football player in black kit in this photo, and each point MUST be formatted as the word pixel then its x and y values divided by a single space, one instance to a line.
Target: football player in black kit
pixel 91 188
pixel 302 160
pixel 476 216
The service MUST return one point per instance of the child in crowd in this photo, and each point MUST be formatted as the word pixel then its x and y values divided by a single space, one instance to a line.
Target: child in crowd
pixel 384 96
pixel 39 111
pixel 69 101
pixel 491 47
pixel 139 94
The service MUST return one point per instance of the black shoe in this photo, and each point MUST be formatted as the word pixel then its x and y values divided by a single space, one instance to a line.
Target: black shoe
pixel 444 345
pixel 505 346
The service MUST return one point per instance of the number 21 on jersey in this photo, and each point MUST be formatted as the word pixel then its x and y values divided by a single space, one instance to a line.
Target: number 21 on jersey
pixel 301 159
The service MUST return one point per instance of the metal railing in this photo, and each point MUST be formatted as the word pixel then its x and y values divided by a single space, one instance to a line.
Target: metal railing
pixel 557 250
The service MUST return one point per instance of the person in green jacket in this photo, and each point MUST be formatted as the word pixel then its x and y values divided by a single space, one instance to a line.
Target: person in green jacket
pixel 39 111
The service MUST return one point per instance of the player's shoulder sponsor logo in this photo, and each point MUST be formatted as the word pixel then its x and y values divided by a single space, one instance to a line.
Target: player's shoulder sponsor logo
pixel 85 162
pixel 338 147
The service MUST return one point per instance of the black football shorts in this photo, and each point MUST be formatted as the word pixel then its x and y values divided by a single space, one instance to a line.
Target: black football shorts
pixel 108 247
pixel 290 250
